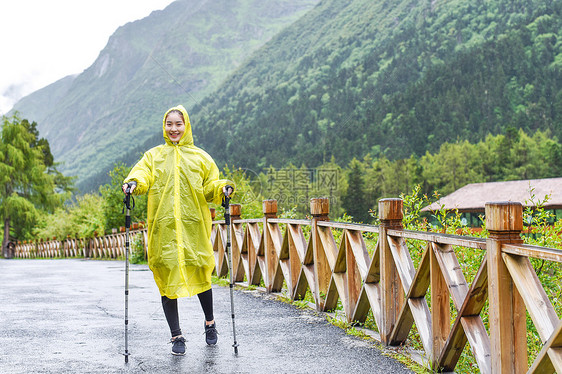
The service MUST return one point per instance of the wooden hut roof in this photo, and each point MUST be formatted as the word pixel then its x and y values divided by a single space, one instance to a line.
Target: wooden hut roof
pixel 473 197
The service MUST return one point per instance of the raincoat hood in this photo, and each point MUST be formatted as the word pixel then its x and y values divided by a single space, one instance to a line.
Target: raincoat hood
pixel 187 137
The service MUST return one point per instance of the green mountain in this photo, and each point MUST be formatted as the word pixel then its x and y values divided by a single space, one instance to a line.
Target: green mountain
pixel 36 105
pixel 391 78
pixel 178 55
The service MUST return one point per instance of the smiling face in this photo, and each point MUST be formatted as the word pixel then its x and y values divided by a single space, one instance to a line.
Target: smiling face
pixel 175 126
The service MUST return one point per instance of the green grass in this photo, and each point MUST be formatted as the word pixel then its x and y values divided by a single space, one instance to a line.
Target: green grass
pixel 223 282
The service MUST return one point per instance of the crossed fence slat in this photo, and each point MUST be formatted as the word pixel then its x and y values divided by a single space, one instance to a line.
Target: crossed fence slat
pixel 417 305
pixel 468 326
pixel 549 358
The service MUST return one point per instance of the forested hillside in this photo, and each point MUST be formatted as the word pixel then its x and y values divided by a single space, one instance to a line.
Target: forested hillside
pixel 397 78
pixel 177 55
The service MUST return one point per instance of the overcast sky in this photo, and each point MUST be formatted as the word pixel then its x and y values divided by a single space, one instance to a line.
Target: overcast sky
pixel 42 41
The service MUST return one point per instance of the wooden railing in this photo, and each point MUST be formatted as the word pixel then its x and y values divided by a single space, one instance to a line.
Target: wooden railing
pixel 110 246
pixel 389 285
pixel 304 256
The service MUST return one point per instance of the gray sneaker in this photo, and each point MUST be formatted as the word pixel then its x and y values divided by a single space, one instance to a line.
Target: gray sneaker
pixel 211 334
pixel 178 346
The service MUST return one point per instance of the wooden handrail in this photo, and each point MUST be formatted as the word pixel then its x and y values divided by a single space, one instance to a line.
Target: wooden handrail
pixel 349 226
pixel 533 251
pixel 457 240
pixel 291 221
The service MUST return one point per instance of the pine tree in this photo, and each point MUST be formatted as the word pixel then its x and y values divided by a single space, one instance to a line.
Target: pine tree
pixel 355 200
pixel 26 186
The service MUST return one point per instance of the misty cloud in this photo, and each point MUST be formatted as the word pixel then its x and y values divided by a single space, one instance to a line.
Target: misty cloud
pixel 12 93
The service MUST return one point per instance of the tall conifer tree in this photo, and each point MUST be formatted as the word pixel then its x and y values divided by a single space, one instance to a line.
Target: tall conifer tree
pixel 27 186
pixel 355 201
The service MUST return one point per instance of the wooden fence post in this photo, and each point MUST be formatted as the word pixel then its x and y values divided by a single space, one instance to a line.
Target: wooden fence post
pixel 235 211
pixel 392 295
pixel 269 211
pixel 320 208
pixel 504 222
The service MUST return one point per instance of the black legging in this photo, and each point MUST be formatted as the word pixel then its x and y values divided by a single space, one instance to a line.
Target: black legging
pixel 170 307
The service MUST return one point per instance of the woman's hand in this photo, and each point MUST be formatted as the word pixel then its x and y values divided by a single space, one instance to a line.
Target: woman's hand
pixel 227 190
pixel 131 186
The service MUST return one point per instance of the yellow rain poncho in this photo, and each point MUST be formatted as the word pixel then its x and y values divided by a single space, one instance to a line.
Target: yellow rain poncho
pixel 180 180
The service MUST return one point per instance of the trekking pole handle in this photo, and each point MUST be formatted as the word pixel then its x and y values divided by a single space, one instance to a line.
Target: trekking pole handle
pixel 127 200
pixel 226 203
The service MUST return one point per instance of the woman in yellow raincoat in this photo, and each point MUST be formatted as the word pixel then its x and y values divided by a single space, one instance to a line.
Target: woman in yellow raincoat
pixel 180 180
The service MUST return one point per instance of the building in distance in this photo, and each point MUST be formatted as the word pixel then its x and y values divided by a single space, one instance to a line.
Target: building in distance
pixel 471 199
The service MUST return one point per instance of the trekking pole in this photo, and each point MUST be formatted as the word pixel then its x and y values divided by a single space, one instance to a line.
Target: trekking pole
pixel 127 202
pixel 226 205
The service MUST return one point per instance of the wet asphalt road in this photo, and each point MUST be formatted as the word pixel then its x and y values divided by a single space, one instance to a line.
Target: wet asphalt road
pixel 67 316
